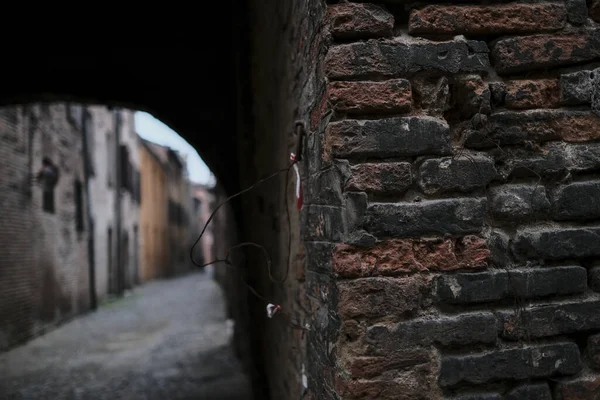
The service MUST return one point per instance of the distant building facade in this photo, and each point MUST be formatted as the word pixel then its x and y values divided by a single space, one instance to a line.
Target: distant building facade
pixel 153 214
pixel 116 256
pixel 203 203
pixel 44 273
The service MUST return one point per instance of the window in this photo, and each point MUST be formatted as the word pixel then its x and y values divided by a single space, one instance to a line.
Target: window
pixel 78 206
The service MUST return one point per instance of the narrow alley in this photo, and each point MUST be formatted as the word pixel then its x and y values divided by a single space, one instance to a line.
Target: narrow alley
pixel 169 339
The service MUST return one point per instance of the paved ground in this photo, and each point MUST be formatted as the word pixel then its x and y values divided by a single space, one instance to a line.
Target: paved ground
pixel 168 340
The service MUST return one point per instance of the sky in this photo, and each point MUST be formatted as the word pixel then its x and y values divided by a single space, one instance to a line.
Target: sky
pixel 155 131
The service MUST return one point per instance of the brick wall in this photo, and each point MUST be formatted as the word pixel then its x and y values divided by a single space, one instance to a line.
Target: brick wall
pixel 458 187
pixel 44 267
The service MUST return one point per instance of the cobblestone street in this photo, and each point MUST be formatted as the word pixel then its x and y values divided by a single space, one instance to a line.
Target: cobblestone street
pixel 167 340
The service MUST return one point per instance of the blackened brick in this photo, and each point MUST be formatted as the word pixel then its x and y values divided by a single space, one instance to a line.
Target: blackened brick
pixel 595 10
pixel 527 53
pixel 511 128
pixel 463 173
pixel 551 159
pixel 577 11
pixel 401 58
pixel 471 95
pixel 577 201
pixel 449 216
pixel 460 330
pixel 518 201
pixel 476 396
pixel 594 278
pixel 557 243
pixel 351 21
pixel 519 363
pixel 592 351
pixel 323 223
pixel 381 177
pixel 493 285
pixel 494 19
pixel 392 96
pixel 319 256
pixel 534 391
pixel 371 367
pixel 550 320
pixel 576 88
pixel 391 137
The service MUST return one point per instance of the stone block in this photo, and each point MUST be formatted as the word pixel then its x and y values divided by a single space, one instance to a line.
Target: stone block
pixel 527 53
pixel 399 256
pixel 592 351
pixel 576 88
pixel 516 202
pixel 459 216
pixel 530 391
pixel 381 178
pixel 353 21
pixel 594 278
pixel 557 243
pixel 494 285
pixel 400 57
pixel 513 363
pixel 577 11
pixel 323 223
pixel 392 96
pixel 577 201
pixel 391 137
pixel 496 19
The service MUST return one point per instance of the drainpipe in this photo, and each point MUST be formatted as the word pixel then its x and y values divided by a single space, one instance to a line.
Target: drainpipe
pixel 118 233
pixel 88 205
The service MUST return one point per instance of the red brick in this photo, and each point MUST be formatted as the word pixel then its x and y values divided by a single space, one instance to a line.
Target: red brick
pixel 545 51
pixel 382 297
pixel 587 388
pixel 488 19
pixel 595 10
pixel 397 256
pixel 380 177
pixel 371 97
pixel 352 20
pixel 523 94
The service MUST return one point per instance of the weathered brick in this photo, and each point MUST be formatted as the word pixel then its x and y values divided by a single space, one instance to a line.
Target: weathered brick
pixel 319 256
pixel 576 88
pixel 577 11
pixel 533 391
pixel 460 330
pixel 592 351
pixel 584 388
pixel 352 20
pixel 355 210
pixel 577 201
pixel 431 94
pixel 517 363
pixel 493 285
pixel 595 10
pixel 495 19
pixel 548 160
pixel 594 278
pixel 392 96
pixel 391 137
pixel 463 173
pixel 511 128
pixel 526 94
pixel 528 53
pixel 323 223
pixel 372 367
pixel 381 297
pixel 550 320
pixel 476 396
pixel 325 188
pixel 595 103
pixel 459 216
pixel 557 243
pixel 400 57
pixel 381 177
pixel 397 256
pixel 516 202
pixel 471 96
